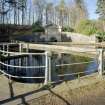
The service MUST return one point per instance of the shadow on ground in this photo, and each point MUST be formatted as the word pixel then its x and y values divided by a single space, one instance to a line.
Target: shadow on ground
pixel 22 97
pixel 60 97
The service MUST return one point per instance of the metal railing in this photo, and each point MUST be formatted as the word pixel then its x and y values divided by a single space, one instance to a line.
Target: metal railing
pixel 5 67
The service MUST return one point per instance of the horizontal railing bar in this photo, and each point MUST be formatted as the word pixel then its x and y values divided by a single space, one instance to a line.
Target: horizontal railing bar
pixel 72 79
pixel 34 53
pixel 74 64
pixel 21 53
pixel 74 73
pixel 23 67
pixel 70 43
pixel 42 66
pixel 56 81
pixel 21 77
pixel 81 52
pixel 58 48
pixel 78 43
pixel 21 42
pixel 1 44
pixel 87 51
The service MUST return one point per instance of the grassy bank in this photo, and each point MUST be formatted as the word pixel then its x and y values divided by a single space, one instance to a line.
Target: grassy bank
pixel 87 95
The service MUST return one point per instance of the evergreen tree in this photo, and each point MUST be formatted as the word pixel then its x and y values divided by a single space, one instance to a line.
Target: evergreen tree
pixel 101 9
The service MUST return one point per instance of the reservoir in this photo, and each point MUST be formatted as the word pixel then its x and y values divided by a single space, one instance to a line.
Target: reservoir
pixel 63 67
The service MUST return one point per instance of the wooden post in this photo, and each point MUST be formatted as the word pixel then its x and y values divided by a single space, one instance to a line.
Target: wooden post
pixel 100 62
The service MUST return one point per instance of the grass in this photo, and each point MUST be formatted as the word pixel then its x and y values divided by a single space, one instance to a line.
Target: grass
pixel 88 95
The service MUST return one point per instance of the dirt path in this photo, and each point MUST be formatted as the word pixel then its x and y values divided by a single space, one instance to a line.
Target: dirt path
pixel 88 90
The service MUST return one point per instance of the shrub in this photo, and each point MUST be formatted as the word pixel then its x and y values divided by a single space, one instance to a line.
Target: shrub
pixel 67 29
pixel 87 27
pixel 37 27
pixel 100 36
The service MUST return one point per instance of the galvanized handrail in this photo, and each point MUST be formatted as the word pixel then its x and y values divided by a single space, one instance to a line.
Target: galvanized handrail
pixel 21 53
pixel 43 66
pixel 21 77
pixel 78 73
pixel 74 64
pixel 22 67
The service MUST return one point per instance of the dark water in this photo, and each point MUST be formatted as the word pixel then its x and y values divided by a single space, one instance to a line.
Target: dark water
pixel 37 60
pixel 69 59
pixel 29 38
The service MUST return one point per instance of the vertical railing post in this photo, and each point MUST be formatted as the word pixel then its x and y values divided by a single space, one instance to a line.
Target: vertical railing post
pixel 27 47
pixel 20 47
pixel 7 49
pixel 48 67
pixel 100 62
pixel 3 49
pixel 26 64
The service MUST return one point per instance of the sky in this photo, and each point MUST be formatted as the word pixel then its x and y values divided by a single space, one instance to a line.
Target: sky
pixel 91 6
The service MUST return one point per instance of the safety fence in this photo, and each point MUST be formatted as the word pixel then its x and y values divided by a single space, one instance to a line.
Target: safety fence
pixel 20 63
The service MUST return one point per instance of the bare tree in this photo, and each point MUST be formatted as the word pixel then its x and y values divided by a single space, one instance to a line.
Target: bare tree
pixel 40 5
pixel 49 14
pixel 81 9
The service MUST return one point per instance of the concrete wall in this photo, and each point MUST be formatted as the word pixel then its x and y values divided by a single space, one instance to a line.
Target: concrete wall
pixel 64 37
pixel 76 37
pixel 51 37
pixel 53 33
